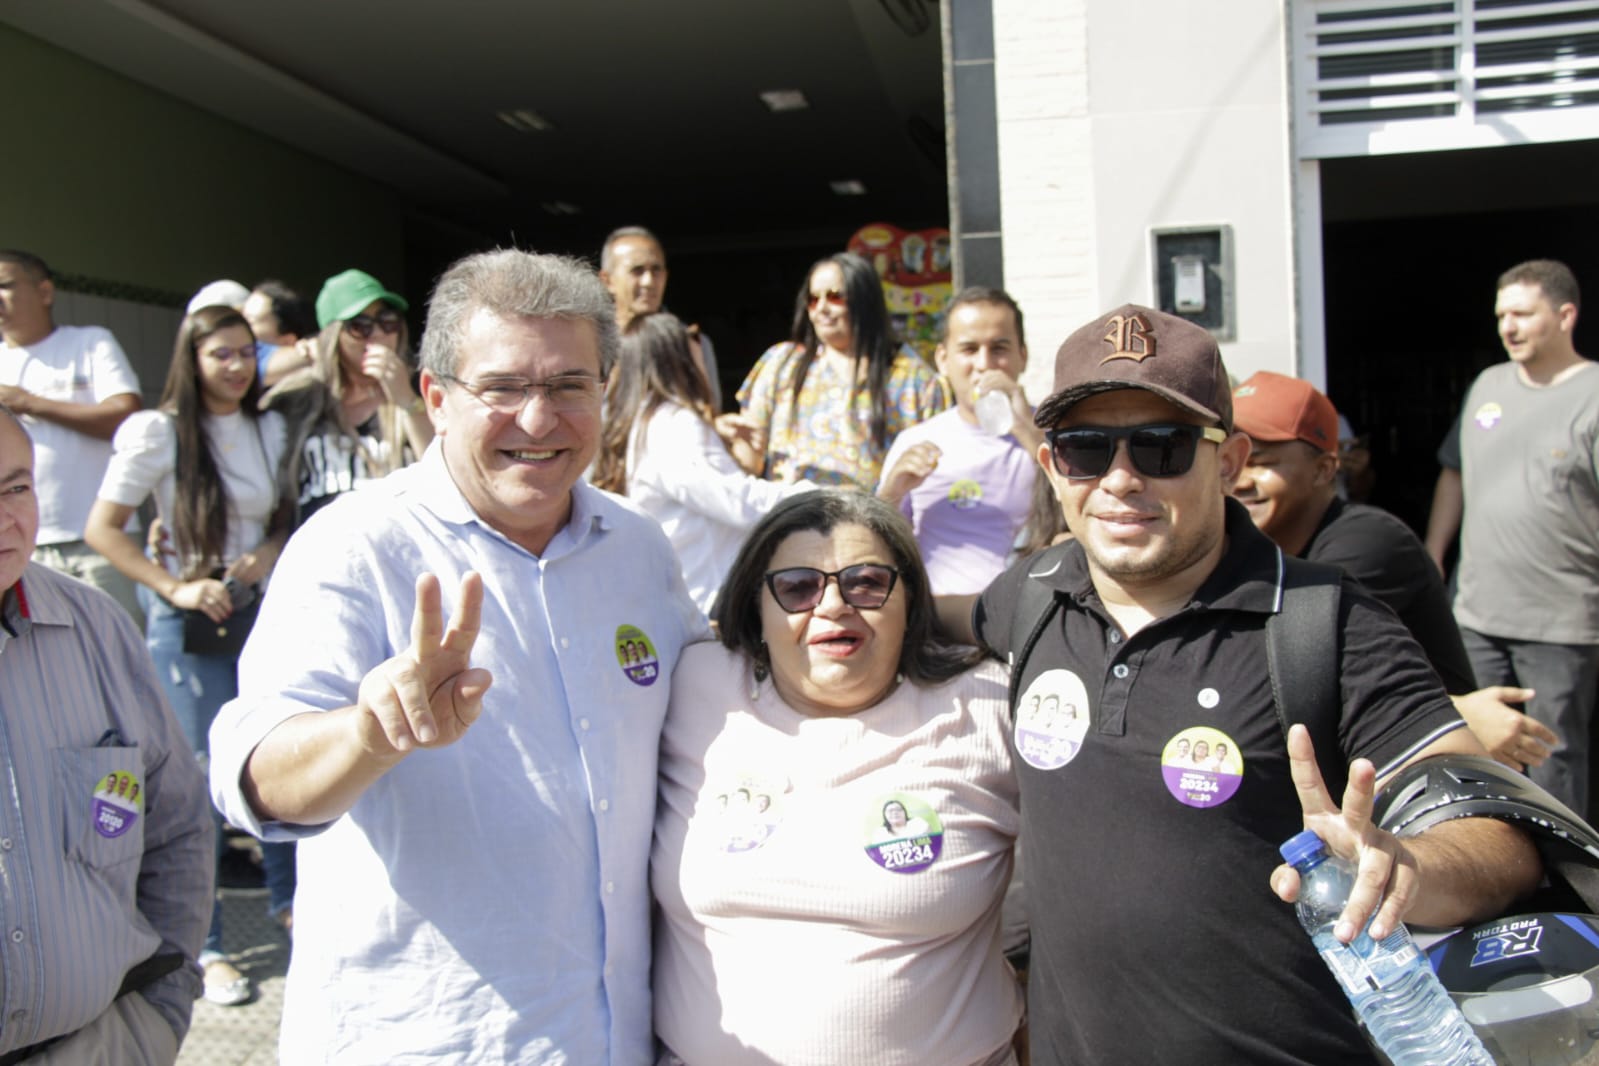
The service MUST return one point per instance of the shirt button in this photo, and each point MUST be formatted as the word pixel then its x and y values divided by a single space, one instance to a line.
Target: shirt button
pixel 565 643
pixel 1115 637
pixel 6 843
pixel 610 888
pixel 16 936
pixel 605 805
pixel 582 723
pixel 1121 670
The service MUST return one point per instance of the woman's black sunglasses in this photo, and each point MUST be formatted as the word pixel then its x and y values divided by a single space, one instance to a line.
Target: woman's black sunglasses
pixel 1158 450
pixel 865 586
pixel 361 326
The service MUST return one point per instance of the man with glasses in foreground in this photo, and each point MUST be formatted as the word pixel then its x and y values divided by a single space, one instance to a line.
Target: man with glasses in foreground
pixel 1156 637
pixel 437 703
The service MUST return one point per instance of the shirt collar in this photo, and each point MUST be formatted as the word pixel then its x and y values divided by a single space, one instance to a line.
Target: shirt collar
pixel 1248 576
pixel 438 493
pixel 33 600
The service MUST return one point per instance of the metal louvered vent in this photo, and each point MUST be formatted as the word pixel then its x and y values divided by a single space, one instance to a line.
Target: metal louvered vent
pixel 1373 78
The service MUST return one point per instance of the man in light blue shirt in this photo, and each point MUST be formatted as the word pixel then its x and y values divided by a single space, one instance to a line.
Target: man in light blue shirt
pixel 474 796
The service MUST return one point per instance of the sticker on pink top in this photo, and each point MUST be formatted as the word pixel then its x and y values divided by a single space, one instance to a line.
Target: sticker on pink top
pixel 747 811
pixel 1202 766
pixel 903 834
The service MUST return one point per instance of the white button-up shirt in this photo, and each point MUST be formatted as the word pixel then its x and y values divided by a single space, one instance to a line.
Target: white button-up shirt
pixel 487 901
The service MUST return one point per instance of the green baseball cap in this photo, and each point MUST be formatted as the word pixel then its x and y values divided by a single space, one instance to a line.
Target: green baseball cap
pixel 346 295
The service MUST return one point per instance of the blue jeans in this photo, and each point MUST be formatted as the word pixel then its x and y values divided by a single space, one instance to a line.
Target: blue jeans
pixel 197 686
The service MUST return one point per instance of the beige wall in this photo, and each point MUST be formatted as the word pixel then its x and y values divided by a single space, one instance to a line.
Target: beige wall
pixel 1116 116
pixel 107 179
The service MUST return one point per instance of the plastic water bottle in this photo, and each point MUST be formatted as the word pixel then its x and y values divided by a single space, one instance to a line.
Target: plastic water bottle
pixel 994 413
pixel 1406 1009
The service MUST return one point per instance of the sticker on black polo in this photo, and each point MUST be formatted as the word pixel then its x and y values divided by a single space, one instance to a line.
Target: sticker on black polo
pixel 903 834
pixel 1051 720
pixel 1201 766
pixel 637 655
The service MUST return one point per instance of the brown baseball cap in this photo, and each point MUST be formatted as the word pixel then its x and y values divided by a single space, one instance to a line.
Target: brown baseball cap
pixel 1276 407
pixel 1136 347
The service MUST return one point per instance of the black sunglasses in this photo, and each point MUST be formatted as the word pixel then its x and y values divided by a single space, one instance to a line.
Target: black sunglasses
pixel 1160 450
pixel 361 326
pixel 865 586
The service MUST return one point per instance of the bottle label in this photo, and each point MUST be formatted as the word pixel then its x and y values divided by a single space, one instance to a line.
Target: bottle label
pixel 1367 966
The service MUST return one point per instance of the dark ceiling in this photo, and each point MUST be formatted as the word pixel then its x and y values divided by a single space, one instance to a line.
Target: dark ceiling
pixel 654 105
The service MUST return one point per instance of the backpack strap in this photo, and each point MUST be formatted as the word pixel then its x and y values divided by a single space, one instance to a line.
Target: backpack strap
pixel 1035 606
pixel 1302 647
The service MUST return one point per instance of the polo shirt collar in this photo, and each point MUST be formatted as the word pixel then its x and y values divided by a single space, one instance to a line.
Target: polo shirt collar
pixel 1248 576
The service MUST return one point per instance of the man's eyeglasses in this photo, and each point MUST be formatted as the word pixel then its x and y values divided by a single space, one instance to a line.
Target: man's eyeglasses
pixel 832 296
pixel 227 355
pixel 800 588
pixel 361 326
pixel 1161 450
pixel 567 393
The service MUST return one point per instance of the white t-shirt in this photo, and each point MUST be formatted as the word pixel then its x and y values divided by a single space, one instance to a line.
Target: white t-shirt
pixel 77 364
pixel 145 456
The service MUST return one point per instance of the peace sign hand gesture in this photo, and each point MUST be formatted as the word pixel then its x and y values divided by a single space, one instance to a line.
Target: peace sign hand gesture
pixel 428 695
pixel 1387 880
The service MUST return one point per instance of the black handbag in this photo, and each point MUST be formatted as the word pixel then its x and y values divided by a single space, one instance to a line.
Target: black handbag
pixel 225 639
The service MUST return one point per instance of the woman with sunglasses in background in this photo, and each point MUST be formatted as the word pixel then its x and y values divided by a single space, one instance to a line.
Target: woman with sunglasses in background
pixel 836 394
pixel 829 695
pixel 212 462
pixel 660 448
pixel 353 414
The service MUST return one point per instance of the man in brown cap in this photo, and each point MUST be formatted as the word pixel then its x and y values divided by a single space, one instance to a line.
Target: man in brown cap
pixel 1290 486
pixel 1153 623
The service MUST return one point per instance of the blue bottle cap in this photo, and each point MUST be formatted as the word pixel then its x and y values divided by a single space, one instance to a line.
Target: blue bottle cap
pixel 1302 846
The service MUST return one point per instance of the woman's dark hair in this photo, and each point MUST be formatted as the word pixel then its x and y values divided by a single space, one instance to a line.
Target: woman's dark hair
pixel 924 658
pixel 869 325
pixel 200 499
pixel 654 366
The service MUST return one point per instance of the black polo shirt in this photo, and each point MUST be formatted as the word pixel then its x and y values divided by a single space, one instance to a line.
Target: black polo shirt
pixel 1155 934
pixel 1386 558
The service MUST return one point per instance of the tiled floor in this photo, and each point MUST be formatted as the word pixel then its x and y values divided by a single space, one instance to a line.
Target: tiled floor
pixel 246 1035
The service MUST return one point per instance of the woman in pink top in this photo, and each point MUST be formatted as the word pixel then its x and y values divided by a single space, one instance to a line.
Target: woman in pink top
pixel 837 813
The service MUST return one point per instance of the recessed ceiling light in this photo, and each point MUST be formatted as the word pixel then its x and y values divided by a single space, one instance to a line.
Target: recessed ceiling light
pixel 525 120
pixel 850 187
pixel 784 100
pixel 561 207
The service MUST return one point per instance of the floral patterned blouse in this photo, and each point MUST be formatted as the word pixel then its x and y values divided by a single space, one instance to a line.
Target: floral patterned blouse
pixel 823 440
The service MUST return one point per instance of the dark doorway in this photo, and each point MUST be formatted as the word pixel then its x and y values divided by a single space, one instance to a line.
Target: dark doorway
pixel 1413 246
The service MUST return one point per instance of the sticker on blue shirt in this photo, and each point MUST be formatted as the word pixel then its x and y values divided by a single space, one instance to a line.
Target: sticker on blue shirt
pixel 637 655
pixel 1051 720
pixel 116 804
pixel 1202 766
pixel 965 494
pixel 903 834
pixel 746 811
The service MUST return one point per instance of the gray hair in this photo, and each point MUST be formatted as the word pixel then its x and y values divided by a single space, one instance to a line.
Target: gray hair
pixel 513 283
pixel 621 233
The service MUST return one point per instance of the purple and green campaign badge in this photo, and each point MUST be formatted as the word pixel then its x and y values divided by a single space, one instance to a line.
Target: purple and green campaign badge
pixel 1201 766
pixel 903 834
pixel 116 804
pixel 637 655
